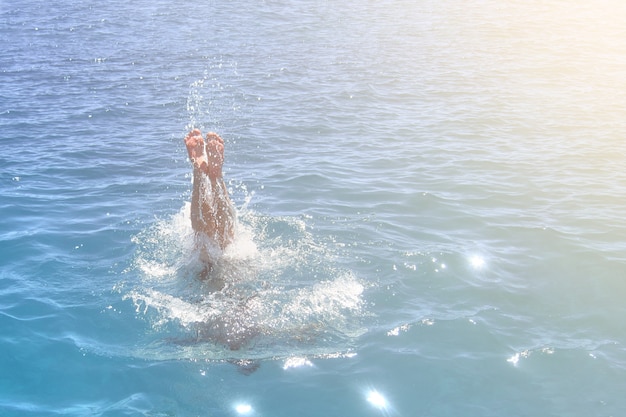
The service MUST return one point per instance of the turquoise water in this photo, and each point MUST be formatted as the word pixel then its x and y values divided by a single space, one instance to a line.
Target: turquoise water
pixel 430 199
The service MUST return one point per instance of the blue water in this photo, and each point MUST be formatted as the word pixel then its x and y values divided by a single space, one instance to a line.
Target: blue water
pixel 431 200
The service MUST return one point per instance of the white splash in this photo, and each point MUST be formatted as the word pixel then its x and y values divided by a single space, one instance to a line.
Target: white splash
pixel 272 290
pixel 296 363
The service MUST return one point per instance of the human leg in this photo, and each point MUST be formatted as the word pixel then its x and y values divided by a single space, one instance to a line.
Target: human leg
pixel 212 212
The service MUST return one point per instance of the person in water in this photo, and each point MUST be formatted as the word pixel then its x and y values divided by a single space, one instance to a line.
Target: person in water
pixel 213 215
pixel 213 219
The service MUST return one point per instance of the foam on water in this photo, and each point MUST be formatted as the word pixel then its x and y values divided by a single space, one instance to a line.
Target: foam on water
pixel 273 293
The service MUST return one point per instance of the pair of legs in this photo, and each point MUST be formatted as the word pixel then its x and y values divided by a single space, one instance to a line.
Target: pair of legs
pixel 212 212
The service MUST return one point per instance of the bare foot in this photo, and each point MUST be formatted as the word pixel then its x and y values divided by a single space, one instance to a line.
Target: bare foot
pixel 195 148
pixel 215 155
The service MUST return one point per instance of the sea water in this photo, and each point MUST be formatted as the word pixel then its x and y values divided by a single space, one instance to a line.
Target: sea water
pixel 430 199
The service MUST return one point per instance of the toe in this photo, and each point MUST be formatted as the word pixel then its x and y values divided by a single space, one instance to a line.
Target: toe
pixel 214 136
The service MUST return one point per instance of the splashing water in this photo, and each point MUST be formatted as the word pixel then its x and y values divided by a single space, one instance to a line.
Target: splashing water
pixel 272 294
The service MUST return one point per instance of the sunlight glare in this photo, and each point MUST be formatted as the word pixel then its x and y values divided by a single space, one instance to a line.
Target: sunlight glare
pixel 243 408
pixel 477 262
pixel 376 399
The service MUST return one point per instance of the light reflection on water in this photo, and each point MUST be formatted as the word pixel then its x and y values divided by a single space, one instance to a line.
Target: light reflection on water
pixel 243 408
pixel 377 400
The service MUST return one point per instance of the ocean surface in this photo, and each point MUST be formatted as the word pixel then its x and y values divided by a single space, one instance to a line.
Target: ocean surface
pixel 431 200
